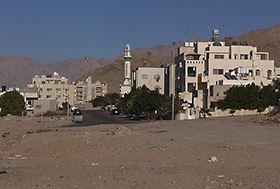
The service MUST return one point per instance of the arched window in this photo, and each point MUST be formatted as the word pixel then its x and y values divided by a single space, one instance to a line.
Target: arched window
pixel 144 76
pixel 258 72
pixel 157 78
pixel 235 56
pixel 269 74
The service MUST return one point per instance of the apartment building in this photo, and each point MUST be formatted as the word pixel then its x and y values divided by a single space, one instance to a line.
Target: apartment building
pixel 85 91
pixel 54 87
pixel 200 65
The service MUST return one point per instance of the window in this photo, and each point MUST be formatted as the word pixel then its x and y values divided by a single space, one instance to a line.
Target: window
pixel 144 76
pixel 235 56
pixel 219 56
pixel 62 83
pixel 41 89
pixel 258 72
pixel 211 90
pixel 56 82
pixel 244 56
pixel 157 78
pixel 263 57
pixel 58 90
pixel 218 71
pixel 58 96
pixel 34 82
pixel 49 96
pixel 191 71
pixel 191 87
pixel 98 89
pixel 189 57
pixel 43 82
pixel 49 89
pixel 269 73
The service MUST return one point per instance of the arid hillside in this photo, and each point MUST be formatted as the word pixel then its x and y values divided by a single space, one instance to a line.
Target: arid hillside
pixel 18 70
pixel 113 73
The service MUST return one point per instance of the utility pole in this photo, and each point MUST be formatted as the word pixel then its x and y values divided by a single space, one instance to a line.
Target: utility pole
pixel 42 112
pixel 173 82
pixel 68 94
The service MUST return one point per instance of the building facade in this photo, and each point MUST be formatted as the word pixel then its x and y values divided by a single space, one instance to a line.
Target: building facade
pixel 152 77
pixel 87 90
pixel 54 87
pixel 200 65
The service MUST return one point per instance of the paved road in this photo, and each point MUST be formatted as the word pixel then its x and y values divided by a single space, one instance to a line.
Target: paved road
pixel 96 117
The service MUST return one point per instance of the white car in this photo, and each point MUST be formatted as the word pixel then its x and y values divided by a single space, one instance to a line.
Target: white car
pixel 73 108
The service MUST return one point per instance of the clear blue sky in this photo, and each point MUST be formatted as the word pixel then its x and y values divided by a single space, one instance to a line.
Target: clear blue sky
pixel 55 30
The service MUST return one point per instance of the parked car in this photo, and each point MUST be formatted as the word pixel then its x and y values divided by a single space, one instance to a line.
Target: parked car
pixel 75 111
pixel 73 108
pixel 102 108
pixel 78 117
pixel 115 111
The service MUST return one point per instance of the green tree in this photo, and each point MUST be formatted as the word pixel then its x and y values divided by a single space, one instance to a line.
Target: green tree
pixel 142 101
pixel 99 101
pixel 111 99
pixel 11 103
pixel 249 97
pixel 151 104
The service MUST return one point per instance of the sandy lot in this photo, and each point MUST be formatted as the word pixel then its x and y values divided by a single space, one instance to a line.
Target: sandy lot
pixel 231 152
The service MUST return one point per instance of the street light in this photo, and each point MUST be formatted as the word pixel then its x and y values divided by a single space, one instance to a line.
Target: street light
pixel 68 96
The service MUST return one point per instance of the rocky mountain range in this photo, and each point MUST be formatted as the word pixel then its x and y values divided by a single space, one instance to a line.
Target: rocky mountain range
pixel 18 70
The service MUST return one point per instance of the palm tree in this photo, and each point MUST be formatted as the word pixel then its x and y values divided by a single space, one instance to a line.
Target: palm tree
pixel 205 112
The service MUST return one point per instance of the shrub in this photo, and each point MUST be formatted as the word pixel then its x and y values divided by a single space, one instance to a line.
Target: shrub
pixel 12 103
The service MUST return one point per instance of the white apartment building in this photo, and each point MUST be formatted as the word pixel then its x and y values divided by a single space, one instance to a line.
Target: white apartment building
pixel 87 90
pixel 200 65
pixel 152 77
pixel 54 87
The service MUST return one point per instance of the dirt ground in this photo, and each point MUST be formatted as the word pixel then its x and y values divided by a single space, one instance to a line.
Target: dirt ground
pixel 231 152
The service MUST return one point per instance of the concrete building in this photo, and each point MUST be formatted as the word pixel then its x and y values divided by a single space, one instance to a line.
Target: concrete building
pixel 43 106
pixel 152 77
pixel 30 95
pixel 54 88
pixel 126 86
pixel 200 65
pixel 87 91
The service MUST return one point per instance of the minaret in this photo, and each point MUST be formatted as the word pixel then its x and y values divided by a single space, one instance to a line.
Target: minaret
pixel 126 86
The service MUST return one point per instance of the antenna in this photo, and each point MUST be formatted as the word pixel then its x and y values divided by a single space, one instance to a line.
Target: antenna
pixel 127 40
pixel 187 34
pixel 224 31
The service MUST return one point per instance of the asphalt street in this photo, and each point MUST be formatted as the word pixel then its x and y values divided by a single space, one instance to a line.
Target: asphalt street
pixel 96 117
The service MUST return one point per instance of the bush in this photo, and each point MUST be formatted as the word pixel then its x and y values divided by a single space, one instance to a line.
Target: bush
pixel 249 97
pixel 151 104
pixel 12 103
